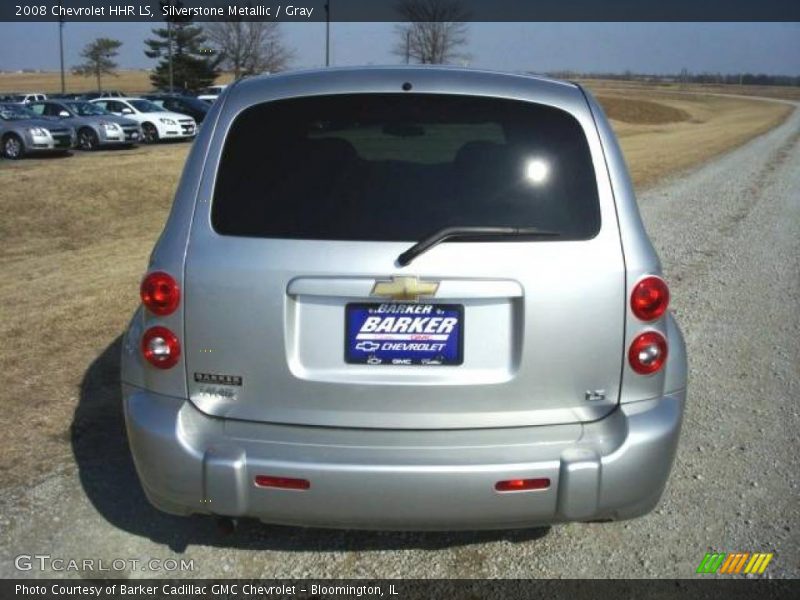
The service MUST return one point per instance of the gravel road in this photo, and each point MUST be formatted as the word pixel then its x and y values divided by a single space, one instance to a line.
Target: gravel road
pixel 729 238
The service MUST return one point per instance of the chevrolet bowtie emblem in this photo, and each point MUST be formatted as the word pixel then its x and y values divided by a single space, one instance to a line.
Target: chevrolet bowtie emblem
pixel 405 288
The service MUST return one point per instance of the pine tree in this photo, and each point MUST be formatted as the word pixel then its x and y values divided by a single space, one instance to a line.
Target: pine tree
pixel 193 67
pixel 98 57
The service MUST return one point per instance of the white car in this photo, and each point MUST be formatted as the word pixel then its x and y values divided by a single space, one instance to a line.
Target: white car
pixel 210 94
pixel 157 123
pixel 25 98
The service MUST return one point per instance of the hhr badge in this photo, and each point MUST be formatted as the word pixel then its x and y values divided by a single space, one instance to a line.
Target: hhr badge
pixel 595 395
pixel 405 289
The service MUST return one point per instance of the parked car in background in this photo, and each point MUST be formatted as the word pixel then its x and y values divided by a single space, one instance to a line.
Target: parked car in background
pixel 31 96
pixel 157 123
pixel 405 298
pixel 103 94
pixel 185 105
pixel 176 91
pixel 94 126
pixel 211 93
pixel 65 96
pixel 23 98
pixel 23 132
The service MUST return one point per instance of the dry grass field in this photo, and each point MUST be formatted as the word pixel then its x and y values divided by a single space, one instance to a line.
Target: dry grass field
pixel 663 133
pixel 764 91
pixel 76 233
pixel 131 81
pixel 127 81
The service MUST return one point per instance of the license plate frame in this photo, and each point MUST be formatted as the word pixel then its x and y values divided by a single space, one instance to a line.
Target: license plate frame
pixel 374 352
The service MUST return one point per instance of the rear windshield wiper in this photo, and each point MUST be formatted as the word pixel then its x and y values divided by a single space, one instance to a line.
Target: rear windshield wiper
pixel 449 233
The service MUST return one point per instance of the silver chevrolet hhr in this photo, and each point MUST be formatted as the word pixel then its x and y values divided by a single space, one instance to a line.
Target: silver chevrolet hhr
pixel 404 298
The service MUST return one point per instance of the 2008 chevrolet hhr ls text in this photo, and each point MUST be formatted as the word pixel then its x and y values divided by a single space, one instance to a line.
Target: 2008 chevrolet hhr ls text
pixel 404 298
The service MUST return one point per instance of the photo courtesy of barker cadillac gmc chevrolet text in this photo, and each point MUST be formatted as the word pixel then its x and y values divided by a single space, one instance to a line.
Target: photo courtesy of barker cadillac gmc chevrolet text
pixel 404 298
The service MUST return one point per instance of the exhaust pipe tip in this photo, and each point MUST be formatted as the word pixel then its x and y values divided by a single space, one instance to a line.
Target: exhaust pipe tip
pixel 227 525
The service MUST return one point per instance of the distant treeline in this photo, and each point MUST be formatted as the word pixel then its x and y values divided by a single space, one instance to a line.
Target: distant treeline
pixel 687 77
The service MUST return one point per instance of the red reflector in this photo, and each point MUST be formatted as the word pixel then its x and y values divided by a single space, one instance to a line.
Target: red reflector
pixel 161 347
pixel 650 298
pixel 160 293
pixel 521 485
pixel 285 483
pixel 648 353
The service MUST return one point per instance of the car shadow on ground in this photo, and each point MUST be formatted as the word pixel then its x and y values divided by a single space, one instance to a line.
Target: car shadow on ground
pixel 34 156
pixel 109 479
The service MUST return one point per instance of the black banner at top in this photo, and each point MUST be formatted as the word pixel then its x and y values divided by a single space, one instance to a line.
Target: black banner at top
pixel 387 10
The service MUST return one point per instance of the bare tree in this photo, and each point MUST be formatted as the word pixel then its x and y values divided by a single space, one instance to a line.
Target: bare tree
pixel 249 47
pixel 436 31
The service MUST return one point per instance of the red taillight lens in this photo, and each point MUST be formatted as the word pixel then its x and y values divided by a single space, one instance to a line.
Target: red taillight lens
pixel 285 483
pixel 648 353
pixel 521 485
pixel 160 293
pixel 161 347
pixel 649 298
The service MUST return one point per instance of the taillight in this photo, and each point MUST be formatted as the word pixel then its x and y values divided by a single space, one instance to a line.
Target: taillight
pixel 648 353
pixel 161 347
pixel 522 485
pixel 160 293
pixel 649 298
pixel 284 483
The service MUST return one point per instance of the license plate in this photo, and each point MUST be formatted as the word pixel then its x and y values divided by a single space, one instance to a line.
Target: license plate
pixel 404 334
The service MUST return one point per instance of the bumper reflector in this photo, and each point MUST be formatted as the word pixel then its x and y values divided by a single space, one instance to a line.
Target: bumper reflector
pixel 285 483
pixel 522 485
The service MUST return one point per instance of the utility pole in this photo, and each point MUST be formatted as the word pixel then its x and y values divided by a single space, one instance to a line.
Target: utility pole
pixel 408 45
pixel 328 33
pixel 169 49
pixel 61 48
pixel 169 53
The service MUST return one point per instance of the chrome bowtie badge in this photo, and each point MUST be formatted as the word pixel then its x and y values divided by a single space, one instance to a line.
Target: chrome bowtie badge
pixel 405 289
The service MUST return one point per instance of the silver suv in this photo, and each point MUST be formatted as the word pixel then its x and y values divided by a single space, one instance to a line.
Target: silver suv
pixel 404 298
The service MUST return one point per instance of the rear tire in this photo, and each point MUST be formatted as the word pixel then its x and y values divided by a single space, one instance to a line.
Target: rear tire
pixel 149 133
pixel 13 148
pixel 88 140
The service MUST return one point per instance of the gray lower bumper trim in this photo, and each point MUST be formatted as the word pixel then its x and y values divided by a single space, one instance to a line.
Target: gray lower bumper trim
pixel 613 468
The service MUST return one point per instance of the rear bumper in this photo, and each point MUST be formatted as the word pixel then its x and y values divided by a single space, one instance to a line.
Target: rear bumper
pixel 615 468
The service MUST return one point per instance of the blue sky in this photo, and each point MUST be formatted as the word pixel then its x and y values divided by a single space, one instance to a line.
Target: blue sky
pixel 588 47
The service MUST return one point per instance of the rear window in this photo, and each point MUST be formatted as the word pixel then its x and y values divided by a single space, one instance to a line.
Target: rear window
pixel 398 167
